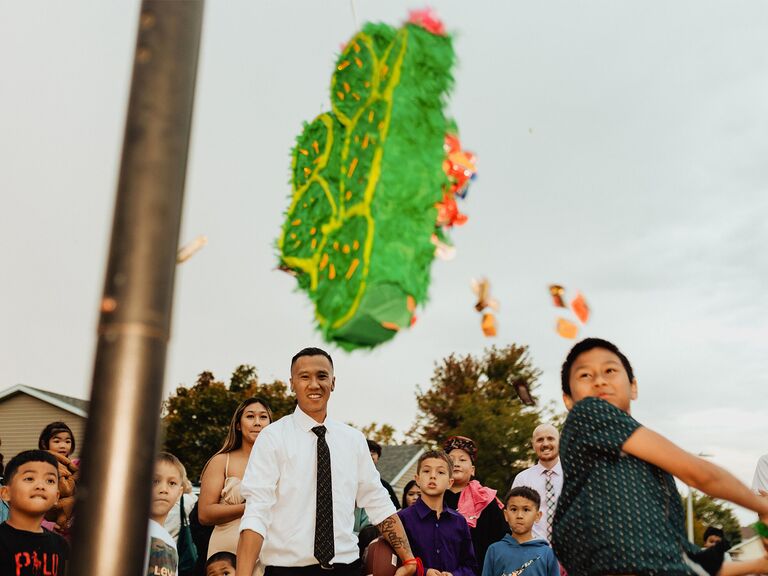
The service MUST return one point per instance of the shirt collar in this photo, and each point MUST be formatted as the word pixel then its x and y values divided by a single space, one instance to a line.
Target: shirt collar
pixel 306 422
pixel 423 510
pixel 556 469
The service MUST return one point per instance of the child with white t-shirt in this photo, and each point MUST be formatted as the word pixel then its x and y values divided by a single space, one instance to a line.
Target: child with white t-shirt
pixel 167 487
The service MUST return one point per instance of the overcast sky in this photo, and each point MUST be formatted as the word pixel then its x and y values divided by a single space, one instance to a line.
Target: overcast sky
pixel 623 151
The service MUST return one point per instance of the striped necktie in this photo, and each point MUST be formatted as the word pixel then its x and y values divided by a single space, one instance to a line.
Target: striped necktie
pixel 551 501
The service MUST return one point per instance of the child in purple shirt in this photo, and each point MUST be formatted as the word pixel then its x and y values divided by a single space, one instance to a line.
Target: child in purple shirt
pixel 439 536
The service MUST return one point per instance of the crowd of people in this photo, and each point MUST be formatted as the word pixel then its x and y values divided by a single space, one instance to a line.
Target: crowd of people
pixel 302 495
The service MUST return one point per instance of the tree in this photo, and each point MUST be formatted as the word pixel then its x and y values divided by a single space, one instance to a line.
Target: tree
pixel 475 397
pixel 382 433
pixel 196 419
pixel 710 512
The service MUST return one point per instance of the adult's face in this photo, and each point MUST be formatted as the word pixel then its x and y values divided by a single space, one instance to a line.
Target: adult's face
pixel 412 495
pixel 546 443
pixel 254 419
pixel 312 381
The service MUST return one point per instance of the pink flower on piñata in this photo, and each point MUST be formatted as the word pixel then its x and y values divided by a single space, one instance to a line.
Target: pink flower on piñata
pixel 427 19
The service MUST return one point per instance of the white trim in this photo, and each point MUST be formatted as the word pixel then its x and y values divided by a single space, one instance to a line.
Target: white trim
pixel 407 467
pixel 40 395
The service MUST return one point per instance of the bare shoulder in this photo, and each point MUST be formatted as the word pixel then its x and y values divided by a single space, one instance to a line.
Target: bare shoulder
pixel 214 468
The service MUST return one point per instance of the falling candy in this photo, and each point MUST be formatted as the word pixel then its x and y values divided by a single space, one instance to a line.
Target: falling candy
pixel 567 329
pixel 521 387
pixel 186 252
pixel 488 324
pixel 580 308
pixel 482 289
pixel 558 295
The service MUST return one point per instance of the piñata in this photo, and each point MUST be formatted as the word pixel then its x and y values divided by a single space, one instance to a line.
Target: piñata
pixel 367 180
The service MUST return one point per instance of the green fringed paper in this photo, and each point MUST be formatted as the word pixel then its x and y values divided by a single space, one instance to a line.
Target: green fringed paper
pixel 366 178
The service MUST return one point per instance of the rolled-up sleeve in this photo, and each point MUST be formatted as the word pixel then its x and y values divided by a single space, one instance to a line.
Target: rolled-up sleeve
pixel 259 484
pixel 371 494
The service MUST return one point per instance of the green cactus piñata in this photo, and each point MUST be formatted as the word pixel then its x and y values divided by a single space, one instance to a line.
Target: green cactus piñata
pixel 366 178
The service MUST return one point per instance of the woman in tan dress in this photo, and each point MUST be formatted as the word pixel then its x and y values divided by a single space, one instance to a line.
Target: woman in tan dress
pixel 220 503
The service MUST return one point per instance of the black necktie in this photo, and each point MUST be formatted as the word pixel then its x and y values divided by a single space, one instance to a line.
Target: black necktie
pixel 324 548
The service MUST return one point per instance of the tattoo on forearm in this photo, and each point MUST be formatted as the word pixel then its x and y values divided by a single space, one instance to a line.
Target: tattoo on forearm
pixel 392 530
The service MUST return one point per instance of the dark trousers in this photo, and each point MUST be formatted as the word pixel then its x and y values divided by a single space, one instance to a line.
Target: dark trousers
pixel 353 569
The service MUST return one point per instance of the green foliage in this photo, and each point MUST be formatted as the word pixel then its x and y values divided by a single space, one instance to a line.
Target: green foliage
pixel 708 511
pixel 196 419
pixel 384 434
pixel 475 397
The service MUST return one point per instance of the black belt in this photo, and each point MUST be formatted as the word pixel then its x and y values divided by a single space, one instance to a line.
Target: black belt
pixel 312 568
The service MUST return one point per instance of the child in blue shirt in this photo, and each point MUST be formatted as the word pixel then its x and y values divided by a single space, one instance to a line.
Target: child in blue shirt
pixel 521 553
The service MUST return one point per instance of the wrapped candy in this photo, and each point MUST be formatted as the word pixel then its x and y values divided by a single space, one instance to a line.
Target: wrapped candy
pixel 558 295
pixel 567 329
pixel 580 308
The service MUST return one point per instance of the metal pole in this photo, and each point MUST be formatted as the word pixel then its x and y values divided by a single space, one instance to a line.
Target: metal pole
pixel 121 435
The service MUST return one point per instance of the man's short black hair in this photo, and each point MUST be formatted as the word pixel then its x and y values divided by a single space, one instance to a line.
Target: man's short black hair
pixel 374 447
pixel 311 352
pixel 524 492
pixel 29 456
pixel 585 346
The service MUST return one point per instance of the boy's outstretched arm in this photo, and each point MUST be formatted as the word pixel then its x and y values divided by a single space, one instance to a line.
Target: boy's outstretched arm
pixel 745 568
pixel 694 471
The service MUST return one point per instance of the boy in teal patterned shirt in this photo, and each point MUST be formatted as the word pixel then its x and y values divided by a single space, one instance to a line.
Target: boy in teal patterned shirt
pixel 619 511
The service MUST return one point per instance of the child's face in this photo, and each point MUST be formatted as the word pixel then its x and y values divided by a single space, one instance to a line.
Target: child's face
pixel 412 495
pixel 463 470
pixel 61 443
pixel 712 540
pixel 521 514
pixel 433 477
pixel 219 568
pixel 600 373
pixel 166 489
pixel 34 488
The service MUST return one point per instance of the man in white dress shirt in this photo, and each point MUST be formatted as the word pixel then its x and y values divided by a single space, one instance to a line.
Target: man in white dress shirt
pixel 284 522
pixel 546 477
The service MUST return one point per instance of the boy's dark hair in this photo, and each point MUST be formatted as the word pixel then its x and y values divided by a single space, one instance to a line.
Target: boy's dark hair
pixel 374 447
pixel 585 346
pixel 523 492
pixel 714 531
pixel 440 455
pixel 29 456
pixel 311 352
pixel 219 556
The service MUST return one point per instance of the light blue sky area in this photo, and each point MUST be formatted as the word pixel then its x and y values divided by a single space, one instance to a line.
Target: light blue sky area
pixel 622 152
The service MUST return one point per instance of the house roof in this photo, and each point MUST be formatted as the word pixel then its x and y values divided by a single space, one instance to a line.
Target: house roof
pixel 395 460
pixel 73 405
